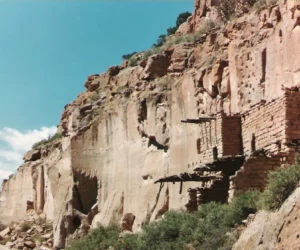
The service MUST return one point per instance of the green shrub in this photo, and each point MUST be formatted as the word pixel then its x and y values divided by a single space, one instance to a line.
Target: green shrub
pixel 216 230
pixel 40 239
pixel 128 56
pixel 176 229
pixel 180 20
pixel 128 242
pixel 25 226
pixel 4 241
pixel 94 97
pixel 150 52
pixel 241 206
pixel 281 184
pixel 171 31
pixel 133 61
pixel 207 27
pixel 160 41
pixel 40 143
pixel 46 141
pixel 212 227
pixel 182 17
pixel 99 239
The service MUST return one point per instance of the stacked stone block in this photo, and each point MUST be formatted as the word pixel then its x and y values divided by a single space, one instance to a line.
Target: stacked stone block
pixel 231 135
pixel 210 137
pixel 292 117
pixel 264 126
pixel 276 129
pixel 222 135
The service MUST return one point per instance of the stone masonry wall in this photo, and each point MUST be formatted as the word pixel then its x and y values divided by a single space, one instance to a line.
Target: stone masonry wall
pixel 210 136
pixel 292 123
pixel 253 174
pixel 275 126
pixel 263 126
pixel 231 135
pixel 220 137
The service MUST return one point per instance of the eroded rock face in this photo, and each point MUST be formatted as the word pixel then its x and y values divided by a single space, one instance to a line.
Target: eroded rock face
pixel 32 155
pixel 156 66
pixel 172 113
pixel 127 221
pixel 278 230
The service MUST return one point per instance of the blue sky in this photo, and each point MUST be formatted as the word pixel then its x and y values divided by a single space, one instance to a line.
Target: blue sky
pixel 48 48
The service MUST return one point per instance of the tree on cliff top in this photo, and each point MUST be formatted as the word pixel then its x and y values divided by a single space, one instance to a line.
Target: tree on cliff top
pixel 182 17
pixel 170 31
pixel 180 20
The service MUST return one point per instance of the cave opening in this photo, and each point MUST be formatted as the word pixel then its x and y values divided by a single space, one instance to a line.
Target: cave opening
pixel 76 222
pixel 218 192
pixel 143 111
pixel 85 192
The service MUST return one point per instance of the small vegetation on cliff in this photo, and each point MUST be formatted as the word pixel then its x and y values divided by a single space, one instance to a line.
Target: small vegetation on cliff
pixel 207 27
pixel 161 40
pixel 229 9
pixel 25 226
pixel 46 141
pixel 128 56
pixel 170 31
pixel 262 4
pixel 164 43
pixel 281 184
pixel 4 241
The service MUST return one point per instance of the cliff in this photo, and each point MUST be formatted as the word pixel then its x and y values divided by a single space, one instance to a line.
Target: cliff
pixel 201 120
pixel 273 230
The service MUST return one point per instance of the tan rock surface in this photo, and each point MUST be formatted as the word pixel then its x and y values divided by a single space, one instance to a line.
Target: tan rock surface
pixel 126 131
pixel 278 230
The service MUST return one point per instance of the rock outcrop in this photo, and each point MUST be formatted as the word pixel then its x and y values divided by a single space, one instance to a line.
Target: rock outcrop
pixel 273 230
pixel 199 121
pixel 31 234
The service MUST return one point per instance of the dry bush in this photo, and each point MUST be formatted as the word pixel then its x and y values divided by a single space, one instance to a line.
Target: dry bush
pixel 229 9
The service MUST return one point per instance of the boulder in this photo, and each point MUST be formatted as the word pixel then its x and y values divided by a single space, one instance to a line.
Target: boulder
pixel 30 244
pixel 5 232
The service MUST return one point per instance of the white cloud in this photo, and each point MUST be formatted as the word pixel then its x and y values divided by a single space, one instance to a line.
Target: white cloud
pixel 22 142
pixel 4 174
pixel 10 156
pixel 14 144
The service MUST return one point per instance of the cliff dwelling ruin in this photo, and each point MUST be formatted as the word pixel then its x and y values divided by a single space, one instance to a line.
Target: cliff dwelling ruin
pixel 201 120
pixel 237 152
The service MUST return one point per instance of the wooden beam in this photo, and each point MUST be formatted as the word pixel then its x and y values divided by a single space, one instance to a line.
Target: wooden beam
pixel 223 164
pixel 186 177
pixel 199 120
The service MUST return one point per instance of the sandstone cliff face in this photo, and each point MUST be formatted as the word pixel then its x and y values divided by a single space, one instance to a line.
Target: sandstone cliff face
pixel 193 106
